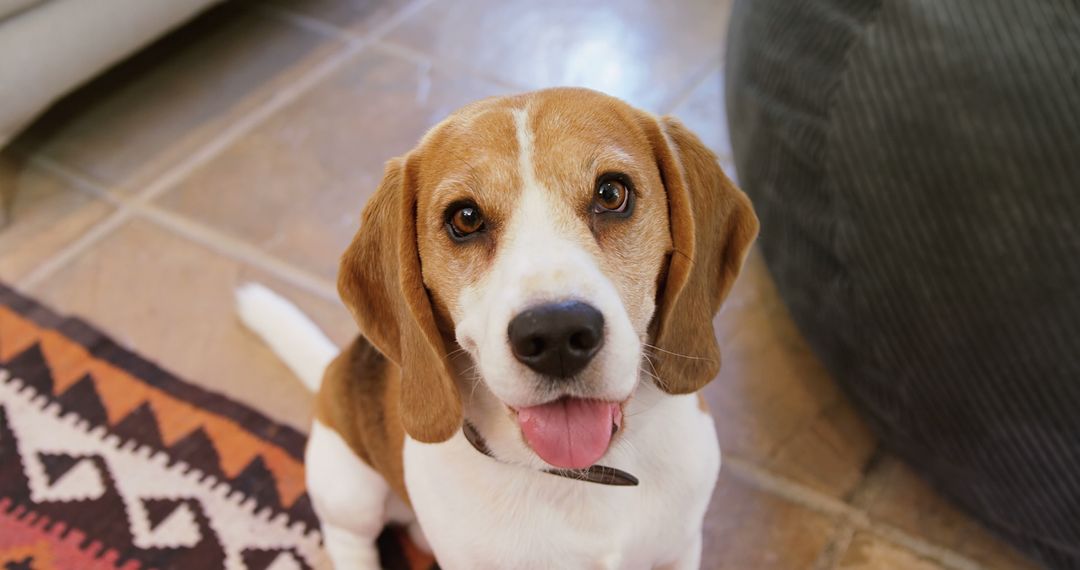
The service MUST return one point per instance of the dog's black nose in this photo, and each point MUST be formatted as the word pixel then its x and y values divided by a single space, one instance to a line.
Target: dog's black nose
pixel 557 339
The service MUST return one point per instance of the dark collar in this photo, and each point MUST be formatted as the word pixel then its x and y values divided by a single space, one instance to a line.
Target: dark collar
pixel 596 474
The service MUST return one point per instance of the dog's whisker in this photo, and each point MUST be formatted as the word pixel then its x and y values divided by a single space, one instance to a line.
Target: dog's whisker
pixel 646 372
pixel 455 352
pixel 686 356
pixel 654 374
pixel 475 384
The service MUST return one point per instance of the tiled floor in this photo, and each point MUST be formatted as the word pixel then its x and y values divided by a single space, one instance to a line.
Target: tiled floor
pixel 243 147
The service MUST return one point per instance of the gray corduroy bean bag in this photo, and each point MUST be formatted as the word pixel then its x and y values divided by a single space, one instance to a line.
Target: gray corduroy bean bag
pixel 916 168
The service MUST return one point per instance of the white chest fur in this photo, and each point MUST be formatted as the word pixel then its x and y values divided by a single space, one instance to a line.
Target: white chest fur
pixel 480 513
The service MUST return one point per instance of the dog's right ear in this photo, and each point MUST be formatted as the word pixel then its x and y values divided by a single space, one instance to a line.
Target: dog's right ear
pixel 381 282
pixel 712 227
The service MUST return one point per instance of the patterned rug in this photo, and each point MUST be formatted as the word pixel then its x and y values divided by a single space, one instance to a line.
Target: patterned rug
pixel 107 461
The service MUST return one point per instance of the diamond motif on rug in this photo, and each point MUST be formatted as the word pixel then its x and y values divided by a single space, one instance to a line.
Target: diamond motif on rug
pixel 109 462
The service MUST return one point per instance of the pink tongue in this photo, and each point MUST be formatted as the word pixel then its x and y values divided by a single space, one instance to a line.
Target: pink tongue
pixel 570 433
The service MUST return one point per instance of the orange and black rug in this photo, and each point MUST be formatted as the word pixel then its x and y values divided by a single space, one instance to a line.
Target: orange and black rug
pixel 107 461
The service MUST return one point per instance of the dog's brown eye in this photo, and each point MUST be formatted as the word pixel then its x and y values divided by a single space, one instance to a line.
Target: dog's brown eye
pixel 464 221
pixel 611 196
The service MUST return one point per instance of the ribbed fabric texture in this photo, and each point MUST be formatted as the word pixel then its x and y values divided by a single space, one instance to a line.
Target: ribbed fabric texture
pixel 916 168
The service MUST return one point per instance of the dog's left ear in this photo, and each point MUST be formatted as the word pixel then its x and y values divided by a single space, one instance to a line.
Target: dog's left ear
pixel 712 227
pixel 381 282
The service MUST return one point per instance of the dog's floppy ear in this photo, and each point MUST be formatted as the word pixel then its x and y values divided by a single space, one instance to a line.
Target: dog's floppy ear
pixel 712 227
pixel 381 283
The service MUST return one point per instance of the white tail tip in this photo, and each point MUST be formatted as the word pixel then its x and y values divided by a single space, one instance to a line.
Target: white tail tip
pixel 298 341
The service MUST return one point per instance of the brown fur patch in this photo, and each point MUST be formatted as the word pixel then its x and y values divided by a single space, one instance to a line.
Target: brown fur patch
pixel 470 157
pixel 402 276
pixel 580 136
pixel 358 399
pixel 712 226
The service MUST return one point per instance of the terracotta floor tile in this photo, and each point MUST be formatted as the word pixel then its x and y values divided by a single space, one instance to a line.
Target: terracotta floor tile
pixel 172 301
pixel 705 113
pixel 46 215
pixel 143 115
pixel 644 51
pixel 746 528
pixel 296 185
pixel 894 494
pixel 868 552
pixel 773 402
pixel 354 15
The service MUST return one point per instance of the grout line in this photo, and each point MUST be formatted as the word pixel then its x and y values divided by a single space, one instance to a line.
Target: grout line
pixel 306 22
pixel 865 493
pixel 190 230
pixel 801 495
pixel 797 493
pixel 376 39
pixel 394 21
pixel 923 548
pixel 421 58
pixel 77 179
pixel 61 258
pixel 245 124
pixel 838 545
pixel 376 36
pixel 241 251
pixel 90 237
pixel 333 30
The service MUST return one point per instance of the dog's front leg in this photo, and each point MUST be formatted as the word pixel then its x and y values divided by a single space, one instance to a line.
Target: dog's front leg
pixel 349 497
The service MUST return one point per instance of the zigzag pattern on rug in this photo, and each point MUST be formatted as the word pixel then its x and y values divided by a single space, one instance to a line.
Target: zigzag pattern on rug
pixel 108 461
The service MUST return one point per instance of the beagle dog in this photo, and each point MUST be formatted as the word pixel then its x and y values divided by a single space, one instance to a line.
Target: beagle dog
pixel 535 285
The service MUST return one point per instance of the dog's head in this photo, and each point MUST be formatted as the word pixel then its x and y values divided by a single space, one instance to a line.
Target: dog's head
pixel 535 257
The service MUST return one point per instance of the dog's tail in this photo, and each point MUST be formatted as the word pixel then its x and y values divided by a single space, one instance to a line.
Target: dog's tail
pixel 289 332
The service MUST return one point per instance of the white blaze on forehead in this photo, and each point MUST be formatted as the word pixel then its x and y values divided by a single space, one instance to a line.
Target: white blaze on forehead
pixel 525 147
pixel 543 256
pixel 532 225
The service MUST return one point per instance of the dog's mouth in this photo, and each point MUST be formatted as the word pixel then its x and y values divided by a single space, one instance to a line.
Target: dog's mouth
pixel 570 433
